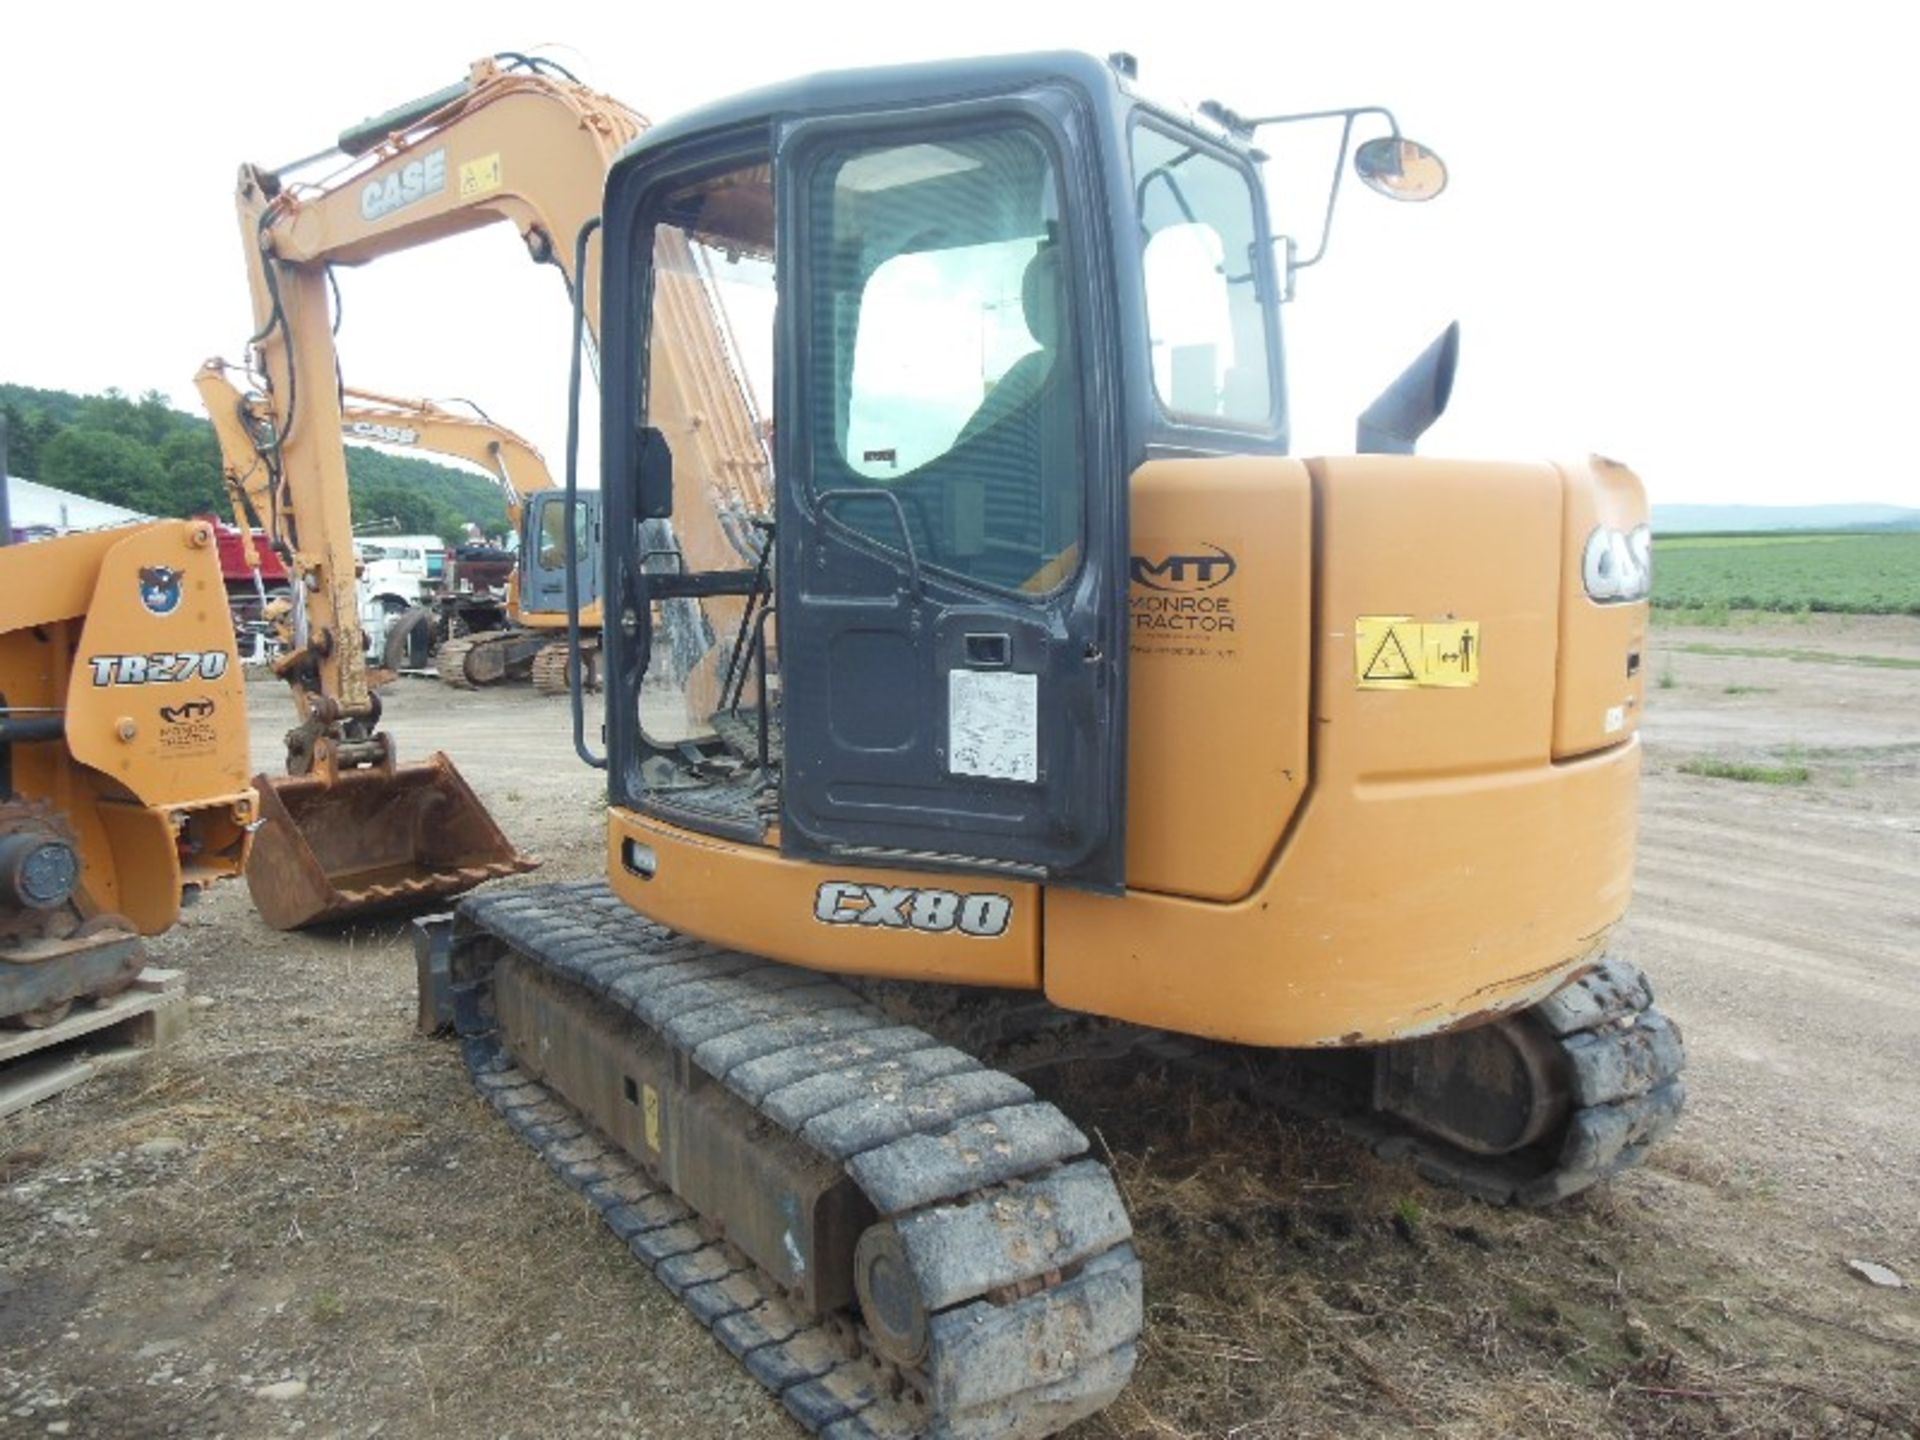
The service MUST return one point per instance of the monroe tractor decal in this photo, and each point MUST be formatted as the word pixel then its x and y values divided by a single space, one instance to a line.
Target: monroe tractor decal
pixel 1181 601
pixel 188 728
pixel 1185 574
pixel 936 912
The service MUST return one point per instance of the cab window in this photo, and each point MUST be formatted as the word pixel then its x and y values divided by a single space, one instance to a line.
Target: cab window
pixel 1205 321
pixel 941 371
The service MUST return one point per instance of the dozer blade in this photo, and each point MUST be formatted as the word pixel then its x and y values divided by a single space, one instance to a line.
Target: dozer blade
pixel 371 840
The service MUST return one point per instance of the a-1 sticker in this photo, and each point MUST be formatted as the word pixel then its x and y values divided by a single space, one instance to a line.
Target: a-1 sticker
pixel 477 177
pixel 164 668
pixel 911 907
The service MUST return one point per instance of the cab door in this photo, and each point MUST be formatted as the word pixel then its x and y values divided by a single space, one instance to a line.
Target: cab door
pixel 951 514
pixel 543 567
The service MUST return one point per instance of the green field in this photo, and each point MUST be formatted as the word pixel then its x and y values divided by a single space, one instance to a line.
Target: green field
pixel 1863 574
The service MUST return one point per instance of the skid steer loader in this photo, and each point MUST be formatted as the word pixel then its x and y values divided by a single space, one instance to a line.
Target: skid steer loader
pixel 123 755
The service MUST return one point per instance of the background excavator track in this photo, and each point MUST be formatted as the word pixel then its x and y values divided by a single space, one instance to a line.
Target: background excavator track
pixel 1018 1247
pixel 550 668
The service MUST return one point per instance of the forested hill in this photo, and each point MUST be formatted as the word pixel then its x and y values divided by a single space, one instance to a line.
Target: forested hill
pixel 148 456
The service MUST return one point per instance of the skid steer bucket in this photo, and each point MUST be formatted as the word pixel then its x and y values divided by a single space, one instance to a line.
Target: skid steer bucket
pixel 371 840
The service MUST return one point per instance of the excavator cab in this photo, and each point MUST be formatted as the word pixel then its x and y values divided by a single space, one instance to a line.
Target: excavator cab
pixel 544 553
pixel 1059 671
pixel 958 414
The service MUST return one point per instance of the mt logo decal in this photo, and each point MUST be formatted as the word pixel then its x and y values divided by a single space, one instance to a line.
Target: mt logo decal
pixel 1185 574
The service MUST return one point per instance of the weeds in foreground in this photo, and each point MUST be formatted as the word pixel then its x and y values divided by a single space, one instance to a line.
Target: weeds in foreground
pixel 1804 657
pixel 1714 769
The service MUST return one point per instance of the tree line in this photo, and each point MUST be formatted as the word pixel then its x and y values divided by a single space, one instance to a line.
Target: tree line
pixel 147 456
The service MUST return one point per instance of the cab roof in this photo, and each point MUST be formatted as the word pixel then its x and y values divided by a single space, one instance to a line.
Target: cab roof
pixel 887 87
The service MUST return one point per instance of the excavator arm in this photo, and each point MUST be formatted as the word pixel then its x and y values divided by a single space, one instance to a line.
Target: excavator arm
pixel 511 146
pixel 507 145
pixel 510 458
pixel 242 422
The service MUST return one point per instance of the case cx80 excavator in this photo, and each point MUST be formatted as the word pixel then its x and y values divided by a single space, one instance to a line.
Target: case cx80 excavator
pixel 1067 712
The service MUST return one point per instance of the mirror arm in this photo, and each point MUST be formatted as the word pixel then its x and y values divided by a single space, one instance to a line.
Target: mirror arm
pixel 1333 197
pixel 1246 128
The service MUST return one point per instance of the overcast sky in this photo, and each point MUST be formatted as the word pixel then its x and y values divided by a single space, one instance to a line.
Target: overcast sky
pixel 1680 235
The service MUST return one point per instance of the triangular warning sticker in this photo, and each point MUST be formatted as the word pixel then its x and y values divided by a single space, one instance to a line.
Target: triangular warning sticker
pixel 1389 661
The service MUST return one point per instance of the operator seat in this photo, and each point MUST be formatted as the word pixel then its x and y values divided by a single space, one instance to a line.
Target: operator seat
pixel 1002 503
pixel 1040 290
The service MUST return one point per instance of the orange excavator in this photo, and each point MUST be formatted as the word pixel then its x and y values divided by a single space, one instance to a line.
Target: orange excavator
pixel 474 635
pixel 1102 720
pixel 349 830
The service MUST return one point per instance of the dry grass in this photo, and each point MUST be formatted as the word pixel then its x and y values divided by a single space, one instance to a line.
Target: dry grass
pixel 1297 1287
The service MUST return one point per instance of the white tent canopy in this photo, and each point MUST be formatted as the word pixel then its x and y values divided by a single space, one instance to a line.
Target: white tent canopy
pixel 34 506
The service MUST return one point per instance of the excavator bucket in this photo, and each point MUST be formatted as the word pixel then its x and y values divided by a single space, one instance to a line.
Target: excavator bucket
pixel 371 840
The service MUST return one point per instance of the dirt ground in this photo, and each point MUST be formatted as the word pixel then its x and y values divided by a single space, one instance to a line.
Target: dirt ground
pixel 304 1198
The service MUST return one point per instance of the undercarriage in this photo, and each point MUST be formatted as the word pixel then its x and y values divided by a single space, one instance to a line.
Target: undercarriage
pixel 897 1239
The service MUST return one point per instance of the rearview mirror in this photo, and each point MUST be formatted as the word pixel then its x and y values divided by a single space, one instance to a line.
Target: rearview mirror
pixel 1399 168
pixel 652 475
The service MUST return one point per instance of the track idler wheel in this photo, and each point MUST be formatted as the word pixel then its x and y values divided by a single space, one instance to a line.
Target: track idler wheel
pixel 1541 1105
pixel 890 1300
pixel 1491 1090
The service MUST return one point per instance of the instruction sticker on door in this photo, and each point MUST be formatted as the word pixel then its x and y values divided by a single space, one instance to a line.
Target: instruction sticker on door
pixel 993 725
pixel 1397 652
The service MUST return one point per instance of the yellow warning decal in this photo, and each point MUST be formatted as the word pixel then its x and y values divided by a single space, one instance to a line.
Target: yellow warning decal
pixel 650 1111
pixel 1397 652
pixel 477 177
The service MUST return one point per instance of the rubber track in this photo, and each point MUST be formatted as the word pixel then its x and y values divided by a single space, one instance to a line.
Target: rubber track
pixel 450 660
pixel 1020 1245
pixel 550 667
pixel 1623 1059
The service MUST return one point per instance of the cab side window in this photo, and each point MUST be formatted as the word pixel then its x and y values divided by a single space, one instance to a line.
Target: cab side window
pixel 1205 321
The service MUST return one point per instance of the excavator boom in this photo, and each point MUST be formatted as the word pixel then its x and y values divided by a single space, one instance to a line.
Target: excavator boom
pixel 349 830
